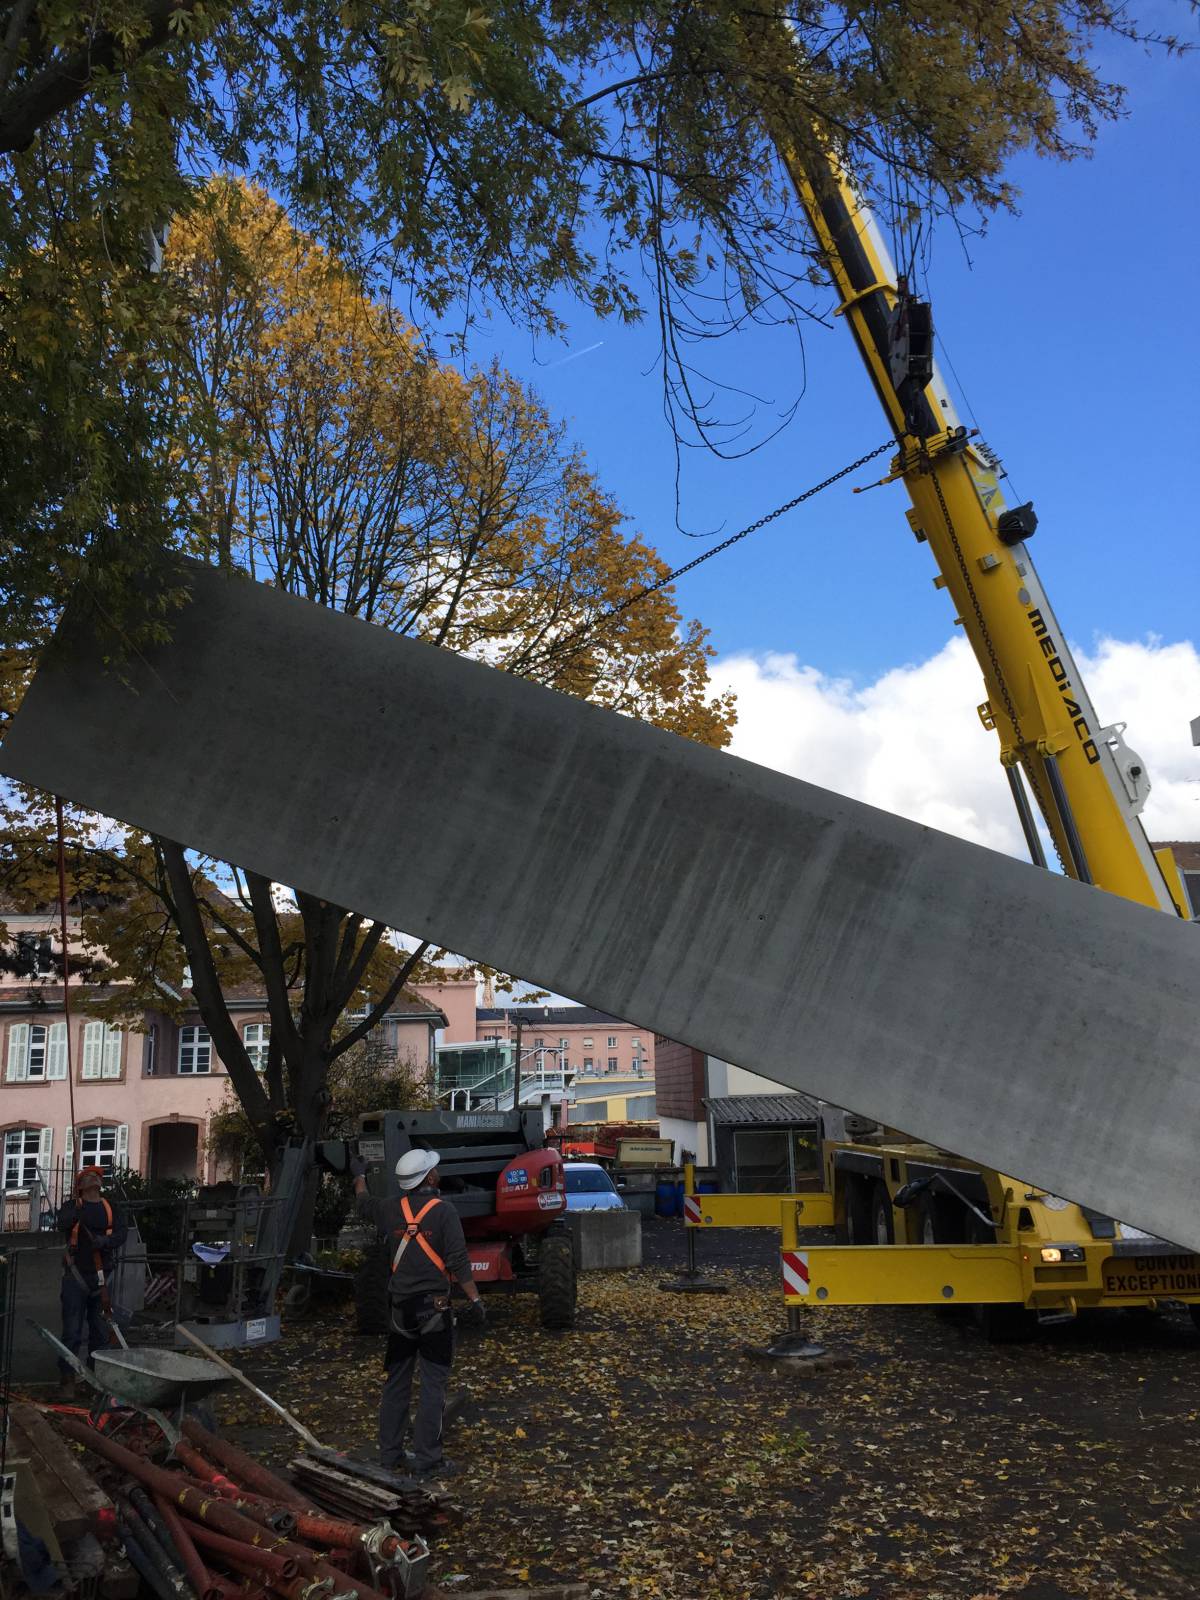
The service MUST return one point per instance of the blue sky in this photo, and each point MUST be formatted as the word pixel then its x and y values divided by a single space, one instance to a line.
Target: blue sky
pixel 1074 334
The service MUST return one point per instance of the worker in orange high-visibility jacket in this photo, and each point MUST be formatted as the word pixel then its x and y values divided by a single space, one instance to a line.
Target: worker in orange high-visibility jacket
pixel 428 1256
pixel 95 1231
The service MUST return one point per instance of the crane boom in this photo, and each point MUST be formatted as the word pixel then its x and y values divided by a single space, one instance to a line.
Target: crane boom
pixel 1088 784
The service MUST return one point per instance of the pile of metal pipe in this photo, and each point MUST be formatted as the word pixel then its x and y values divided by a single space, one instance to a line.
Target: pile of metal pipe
pixel 221 1526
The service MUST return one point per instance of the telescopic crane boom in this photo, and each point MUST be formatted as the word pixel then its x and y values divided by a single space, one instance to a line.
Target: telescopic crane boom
pixel 1089 786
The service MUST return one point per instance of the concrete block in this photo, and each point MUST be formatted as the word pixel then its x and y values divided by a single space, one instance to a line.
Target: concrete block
pixel 606 1241
pixel 1028 1022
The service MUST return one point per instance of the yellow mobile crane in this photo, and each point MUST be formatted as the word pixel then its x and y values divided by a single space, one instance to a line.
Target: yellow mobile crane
pixel 927 1226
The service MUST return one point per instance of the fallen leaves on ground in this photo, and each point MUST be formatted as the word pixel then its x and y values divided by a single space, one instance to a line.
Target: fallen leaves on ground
pixel 643 1453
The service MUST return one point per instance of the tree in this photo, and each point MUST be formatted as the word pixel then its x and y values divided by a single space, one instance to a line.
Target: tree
pixel 622 152
pixel 333 457
pixel 368 1077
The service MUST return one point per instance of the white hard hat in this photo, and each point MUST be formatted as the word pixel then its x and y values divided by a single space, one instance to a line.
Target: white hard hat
pixel 414 1166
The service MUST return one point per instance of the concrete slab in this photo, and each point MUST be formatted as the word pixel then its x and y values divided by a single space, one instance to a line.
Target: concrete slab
pixel 606 1241
pixel 1032 1023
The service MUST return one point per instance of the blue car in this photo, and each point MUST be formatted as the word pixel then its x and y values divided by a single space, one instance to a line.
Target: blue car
pixel 589 1188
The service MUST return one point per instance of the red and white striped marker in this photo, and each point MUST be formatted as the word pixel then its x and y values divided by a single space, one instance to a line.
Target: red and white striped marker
pixel 795 1271
pixel 691 1209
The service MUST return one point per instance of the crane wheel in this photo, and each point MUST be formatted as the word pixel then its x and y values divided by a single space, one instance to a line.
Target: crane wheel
pixel 371 1293
pixel 939 1219
pixel 856 1228
pixel 883 1226
pixel 556 1282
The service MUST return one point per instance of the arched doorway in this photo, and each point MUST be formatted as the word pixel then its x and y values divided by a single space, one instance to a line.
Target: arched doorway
pixel 173 1149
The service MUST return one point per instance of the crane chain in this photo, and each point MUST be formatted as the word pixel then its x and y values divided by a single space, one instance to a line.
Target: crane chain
pixel 742 533
pixel 753 527
pixel 1009 707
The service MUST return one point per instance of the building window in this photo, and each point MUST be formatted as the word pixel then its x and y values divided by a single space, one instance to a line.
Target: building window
pixel 539 1041
pixel 104 1145
pixel 150 1052
pixel 587 1044
pixel 563 1043
pixel 612 1063
pixel 612 1041
pixel 587 1063
pixel 22 1152
pixel 195 1049
pixel 636 1043
pixel 36 1052
pixel 103 1048
pixel 257 1036
pixel 34 958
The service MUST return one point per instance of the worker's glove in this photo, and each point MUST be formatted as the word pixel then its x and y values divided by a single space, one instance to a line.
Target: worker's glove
pixel 475 1315
pixel 358 1167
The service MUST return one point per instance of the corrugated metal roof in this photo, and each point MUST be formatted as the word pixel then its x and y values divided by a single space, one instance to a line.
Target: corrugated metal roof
pixel 762 1108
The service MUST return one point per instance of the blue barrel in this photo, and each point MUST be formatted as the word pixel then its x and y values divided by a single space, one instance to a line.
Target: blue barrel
pixel 678 1211
pixel 707 1187
pixel 664 1199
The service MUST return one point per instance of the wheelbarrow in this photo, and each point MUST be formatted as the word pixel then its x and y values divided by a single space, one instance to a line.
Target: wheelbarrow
pixel 145 1379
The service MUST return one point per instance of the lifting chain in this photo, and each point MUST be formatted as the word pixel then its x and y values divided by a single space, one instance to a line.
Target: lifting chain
pixel 743 533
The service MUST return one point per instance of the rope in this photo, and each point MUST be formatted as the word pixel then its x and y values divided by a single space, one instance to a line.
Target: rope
pixel 66 963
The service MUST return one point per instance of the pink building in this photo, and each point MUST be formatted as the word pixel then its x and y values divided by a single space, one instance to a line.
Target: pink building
pixel 144 1096
pixel 588 1042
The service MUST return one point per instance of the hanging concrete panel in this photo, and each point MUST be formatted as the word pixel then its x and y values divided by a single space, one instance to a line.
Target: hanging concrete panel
pixel 1032 1023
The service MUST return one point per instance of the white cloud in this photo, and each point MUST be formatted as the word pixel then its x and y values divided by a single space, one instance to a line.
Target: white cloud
pixel 912 743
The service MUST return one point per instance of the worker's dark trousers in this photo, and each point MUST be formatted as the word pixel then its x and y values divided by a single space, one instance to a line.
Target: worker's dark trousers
pixel 434 1349
pixel 81 1312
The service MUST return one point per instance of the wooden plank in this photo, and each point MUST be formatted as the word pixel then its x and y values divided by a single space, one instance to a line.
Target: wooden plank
pixel 73 1498
pixel 67 1517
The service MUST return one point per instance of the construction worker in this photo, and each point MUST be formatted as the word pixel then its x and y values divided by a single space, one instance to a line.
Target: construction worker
pixel 95 1232
pixel 429 1255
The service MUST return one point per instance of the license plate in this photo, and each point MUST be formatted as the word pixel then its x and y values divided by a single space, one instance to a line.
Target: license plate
pixel 1151 1275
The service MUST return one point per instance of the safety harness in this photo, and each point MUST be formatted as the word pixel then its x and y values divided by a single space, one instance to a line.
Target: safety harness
pixel 72 1250
pixel 412 1231
pixel 73 1241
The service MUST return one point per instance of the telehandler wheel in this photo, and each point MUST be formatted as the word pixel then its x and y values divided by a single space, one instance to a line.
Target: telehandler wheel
pixel 556 1282
pixel 371 1293
pixel 856 1229
pixel 883 1230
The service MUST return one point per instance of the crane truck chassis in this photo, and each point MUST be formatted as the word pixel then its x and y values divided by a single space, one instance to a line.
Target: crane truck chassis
pixel 918 1226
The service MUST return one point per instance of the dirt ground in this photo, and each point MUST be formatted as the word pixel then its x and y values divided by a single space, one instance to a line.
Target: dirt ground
pixel 645 1454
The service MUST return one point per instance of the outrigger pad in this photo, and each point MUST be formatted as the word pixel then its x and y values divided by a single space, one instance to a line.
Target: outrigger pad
pixel 1026 1021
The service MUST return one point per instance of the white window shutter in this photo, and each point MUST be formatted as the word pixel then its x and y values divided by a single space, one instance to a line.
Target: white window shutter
pixel 122 1151
pixel 69 1158
pixel 114 1044
pixel 93 1050
pixel 18 1052
pixel 56 1050
pixel 45 1151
